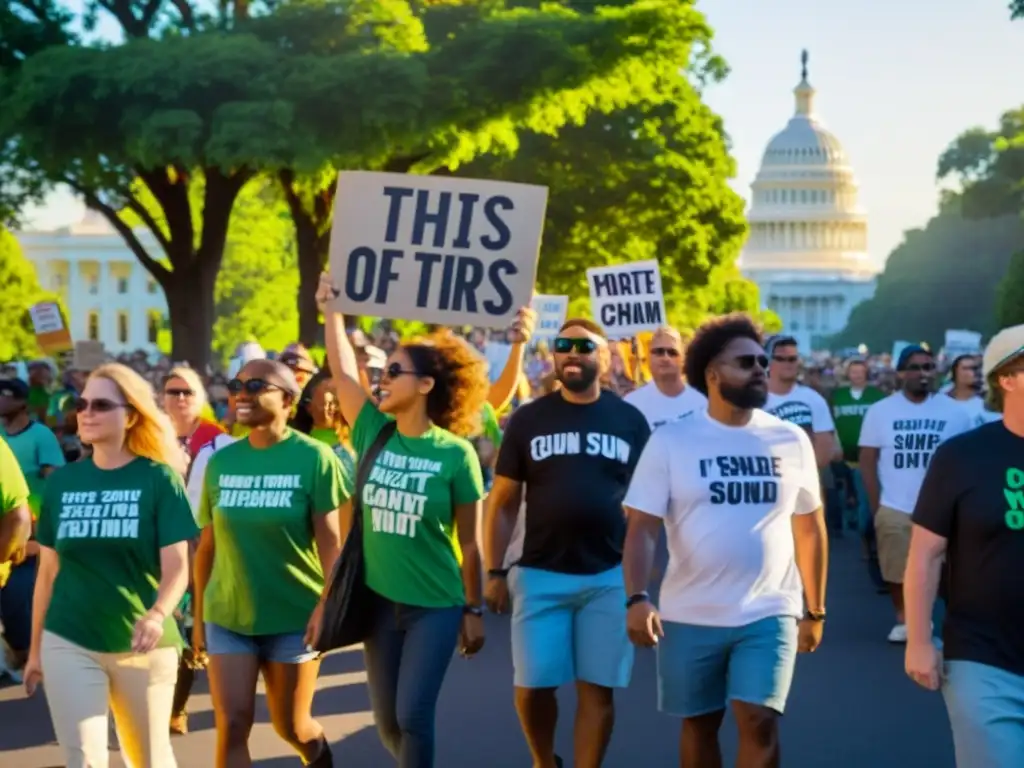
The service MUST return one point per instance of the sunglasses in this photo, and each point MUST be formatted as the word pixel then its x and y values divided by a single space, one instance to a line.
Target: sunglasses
pixel 787 359
pixel 664 352
pixel 250 386
pixel 98 405
pixel 564 345
pixel 179 393
pixel 296 363
pixel 919 367
pixel 395 370
pixel 747 362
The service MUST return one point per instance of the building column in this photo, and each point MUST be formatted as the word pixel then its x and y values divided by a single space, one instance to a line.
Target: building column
pixel 107 307
pixel 77 321
pixel 138 322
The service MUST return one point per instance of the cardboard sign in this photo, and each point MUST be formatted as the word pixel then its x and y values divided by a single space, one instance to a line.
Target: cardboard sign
pixel 551 311
pixel 435 249
pixel 89 355
pixel 626 299
pixel 52 335
pixel 960 342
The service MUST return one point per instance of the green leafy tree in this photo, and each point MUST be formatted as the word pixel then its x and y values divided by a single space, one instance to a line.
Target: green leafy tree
pixel 20 289
pixel 1017 9
pixel 942 276
pixel 1010 294
pixel 217 97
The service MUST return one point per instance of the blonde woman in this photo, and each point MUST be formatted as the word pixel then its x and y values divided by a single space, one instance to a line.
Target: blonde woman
pixel 113 565
pixel 184 401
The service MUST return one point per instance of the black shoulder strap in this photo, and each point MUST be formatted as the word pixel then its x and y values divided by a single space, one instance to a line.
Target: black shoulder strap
pixel 367 459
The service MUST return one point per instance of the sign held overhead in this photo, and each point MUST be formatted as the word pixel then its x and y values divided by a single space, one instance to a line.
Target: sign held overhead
pixel 626 299
pixel 551 311
pixel 435 249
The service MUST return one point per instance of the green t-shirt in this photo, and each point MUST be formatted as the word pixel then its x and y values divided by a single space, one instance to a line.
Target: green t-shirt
pixel 36 448
pixel 13 492
pixel 267 577
pixel 848 413
pixel 409 536
pixel 108 527
pixel 490 427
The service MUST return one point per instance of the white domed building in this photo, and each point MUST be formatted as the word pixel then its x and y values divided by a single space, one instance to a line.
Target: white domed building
pixel 808 244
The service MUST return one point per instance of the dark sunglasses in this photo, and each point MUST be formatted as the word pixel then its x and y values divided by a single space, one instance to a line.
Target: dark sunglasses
pixel 179 393
pixel 664 352
pixel 919 367
pixel 787 359
pixel 98 405
pixel 747 362
pixel 250 386
pixel 395 370
pixel 296 363
pixel 564 345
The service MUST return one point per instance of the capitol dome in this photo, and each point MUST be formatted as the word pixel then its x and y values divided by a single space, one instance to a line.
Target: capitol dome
pixel 805 216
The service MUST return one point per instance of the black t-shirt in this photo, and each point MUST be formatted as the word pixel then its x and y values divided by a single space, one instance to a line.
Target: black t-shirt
pixel 973 496
pixel 576 462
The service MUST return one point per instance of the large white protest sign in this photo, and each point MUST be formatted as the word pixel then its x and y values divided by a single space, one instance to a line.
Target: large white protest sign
pixel 960 342
pixel 626 299
pixel 551 311
pixel 435 249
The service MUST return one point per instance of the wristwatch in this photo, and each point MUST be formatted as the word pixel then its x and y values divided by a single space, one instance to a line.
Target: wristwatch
pixel 497 573
pixel 814 615
pixel 475 610
pixel 639 597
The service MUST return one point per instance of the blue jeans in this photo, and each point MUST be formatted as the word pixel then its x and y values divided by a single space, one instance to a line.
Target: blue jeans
pixel 16 605
pixel 407 656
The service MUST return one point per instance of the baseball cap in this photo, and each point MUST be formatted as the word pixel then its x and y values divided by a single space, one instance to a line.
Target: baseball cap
pixel 781 340
pixel 908 352
pixel 14 389
pixel 1004 347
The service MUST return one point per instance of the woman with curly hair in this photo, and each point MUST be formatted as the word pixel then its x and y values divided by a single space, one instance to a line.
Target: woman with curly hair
pixel 420 507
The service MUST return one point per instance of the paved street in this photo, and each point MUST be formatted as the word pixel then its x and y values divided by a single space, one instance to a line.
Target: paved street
pixel 851 706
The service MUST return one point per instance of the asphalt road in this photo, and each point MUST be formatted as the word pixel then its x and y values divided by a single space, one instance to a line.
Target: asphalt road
pixel 851 706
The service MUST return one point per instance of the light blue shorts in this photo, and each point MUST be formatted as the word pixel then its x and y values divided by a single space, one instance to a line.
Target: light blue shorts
pixel 986 712
pixel 287 648
pixel 568 627
pixel 701 669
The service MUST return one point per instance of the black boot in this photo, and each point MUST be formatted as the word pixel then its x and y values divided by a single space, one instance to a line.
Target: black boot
pixel 325 759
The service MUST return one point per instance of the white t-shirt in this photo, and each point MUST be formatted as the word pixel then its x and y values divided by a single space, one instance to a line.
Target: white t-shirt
pixel 727 496
pixel 197 472
pixel 975 409
pixel 907 435
pixel 660 409
pixel 804 407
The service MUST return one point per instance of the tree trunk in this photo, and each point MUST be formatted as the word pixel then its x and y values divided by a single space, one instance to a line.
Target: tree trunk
pixel 312 257
pixel 190 304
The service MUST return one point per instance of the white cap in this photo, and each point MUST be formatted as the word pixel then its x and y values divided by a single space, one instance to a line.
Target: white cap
pixel 1004 346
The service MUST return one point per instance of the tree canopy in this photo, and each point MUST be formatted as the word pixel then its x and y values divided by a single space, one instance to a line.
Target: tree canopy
pixel 944 275
pixel 1017 9
pixel 20 289
pixel 313 86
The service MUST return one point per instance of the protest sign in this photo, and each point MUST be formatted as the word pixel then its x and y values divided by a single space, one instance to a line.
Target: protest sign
pixel 435 249
pixel 52 335
pixel 960 342
pixel 89 355
pixel 626 299
pixel 551 311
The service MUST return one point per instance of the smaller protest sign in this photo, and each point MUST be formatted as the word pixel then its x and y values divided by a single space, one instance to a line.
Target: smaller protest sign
pixel 89 355
pixel 551 311
pixel 961 342
pixel 626 299
pixel 436 249
pixel 52 335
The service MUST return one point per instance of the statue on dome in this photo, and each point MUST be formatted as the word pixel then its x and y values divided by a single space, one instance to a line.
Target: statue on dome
pixel 804 57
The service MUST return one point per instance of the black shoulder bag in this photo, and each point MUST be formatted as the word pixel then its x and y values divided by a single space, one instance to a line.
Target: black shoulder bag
pixel 350 605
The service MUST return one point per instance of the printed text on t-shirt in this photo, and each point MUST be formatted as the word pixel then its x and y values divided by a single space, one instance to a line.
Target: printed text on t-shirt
pixel 257 491
pixel 915 441
pixel 395 492
pixel 743 479
pixel 99 514
pixel 574 443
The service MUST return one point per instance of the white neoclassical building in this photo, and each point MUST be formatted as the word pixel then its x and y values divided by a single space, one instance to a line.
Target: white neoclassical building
pixel 808 244
pixel 108 294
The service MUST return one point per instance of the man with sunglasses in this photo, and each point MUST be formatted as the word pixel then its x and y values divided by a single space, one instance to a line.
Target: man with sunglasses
pixel 737 491
pixel 666 397
pixel 297 357
pixel 969 531
pixel 897 441
pixel 574 451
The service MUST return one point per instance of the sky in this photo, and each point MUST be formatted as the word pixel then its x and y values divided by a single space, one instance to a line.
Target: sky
pixel 897 81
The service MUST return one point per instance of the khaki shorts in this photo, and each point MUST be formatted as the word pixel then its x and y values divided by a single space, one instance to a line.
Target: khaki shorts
pixel 892 534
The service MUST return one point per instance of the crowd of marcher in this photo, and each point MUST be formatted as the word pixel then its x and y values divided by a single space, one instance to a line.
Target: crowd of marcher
pixel 157 522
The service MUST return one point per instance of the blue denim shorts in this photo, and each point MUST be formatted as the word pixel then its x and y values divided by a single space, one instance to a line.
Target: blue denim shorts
pixel 287 648
pixel 701 669
pixel 986 712
pixel 568 627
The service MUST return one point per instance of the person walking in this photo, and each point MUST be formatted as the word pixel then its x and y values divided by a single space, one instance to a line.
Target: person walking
pixel 270 518
pixel 968 532
pixel 737 490
pixel 666 397
pixel 573 451
pixel 113 537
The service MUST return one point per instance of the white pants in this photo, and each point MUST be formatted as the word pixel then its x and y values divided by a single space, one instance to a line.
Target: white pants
pixel 83 686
